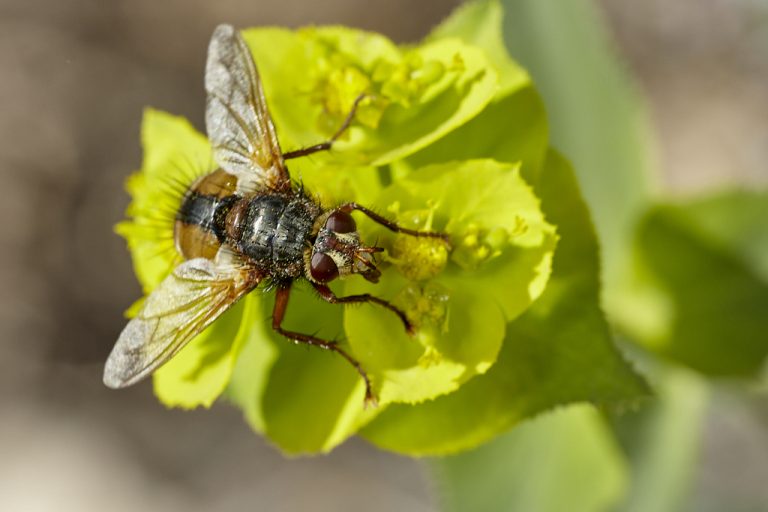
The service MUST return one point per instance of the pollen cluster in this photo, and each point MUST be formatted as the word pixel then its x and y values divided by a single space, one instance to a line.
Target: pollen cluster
pixel 477 245
pixel 419 259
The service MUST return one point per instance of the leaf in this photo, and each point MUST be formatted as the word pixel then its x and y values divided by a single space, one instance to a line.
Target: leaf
pixel 502 251
pixel 563 460
pixel 738 221
pixel 664 440
pixel 701 290
pixel 559 351
pixel 414 96
pixel 596 116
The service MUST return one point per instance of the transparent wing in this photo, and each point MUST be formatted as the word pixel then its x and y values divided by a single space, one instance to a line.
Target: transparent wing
pixel 196 293
pixel 237 119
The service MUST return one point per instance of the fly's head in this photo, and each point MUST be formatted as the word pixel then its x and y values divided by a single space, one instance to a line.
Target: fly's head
pixel 338 251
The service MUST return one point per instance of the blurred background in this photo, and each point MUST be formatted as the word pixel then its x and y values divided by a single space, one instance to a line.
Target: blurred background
pixel 75 77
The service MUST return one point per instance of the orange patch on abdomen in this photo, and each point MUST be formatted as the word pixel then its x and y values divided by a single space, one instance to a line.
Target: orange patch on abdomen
pixel 217 184
pixel 194 241
pixel 198 231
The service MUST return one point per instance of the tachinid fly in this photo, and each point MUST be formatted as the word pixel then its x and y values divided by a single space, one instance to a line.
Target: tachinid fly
pixel 244 223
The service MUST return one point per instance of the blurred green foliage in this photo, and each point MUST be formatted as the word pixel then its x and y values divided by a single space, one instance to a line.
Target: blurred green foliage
pixel 595 115
pixel 564 460
pixel 714 298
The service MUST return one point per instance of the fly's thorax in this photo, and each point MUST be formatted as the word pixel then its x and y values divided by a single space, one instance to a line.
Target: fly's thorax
pixel 274 230
pixel 200 227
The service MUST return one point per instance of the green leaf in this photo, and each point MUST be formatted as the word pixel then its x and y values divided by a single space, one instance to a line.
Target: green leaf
pixel 174 152
pixel 414 96
pixel 663 441
pixel 559 351
pixel 500 264
pixel 701 289
pixel 564 460
pixel 596 116
pixel 738 221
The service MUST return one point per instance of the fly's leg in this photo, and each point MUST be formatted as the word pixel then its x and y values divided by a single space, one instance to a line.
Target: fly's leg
pixel 278 314
pixel 327 294
pixel 325 146
pixel 348 207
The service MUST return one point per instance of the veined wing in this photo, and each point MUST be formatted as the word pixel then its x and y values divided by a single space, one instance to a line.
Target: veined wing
pixel 196 293
pixel 237 119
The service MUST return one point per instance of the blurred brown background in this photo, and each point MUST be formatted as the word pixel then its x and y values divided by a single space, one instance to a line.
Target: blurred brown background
pixel 703 65
pixel 74 77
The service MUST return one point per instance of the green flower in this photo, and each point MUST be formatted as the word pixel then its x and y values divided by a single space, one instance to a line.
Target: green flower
pixel 450 136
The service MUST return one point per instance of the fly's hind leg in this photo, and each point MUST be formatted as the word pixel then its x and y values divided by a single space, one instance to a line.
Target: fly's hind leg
pixel 278 314
pixel 325 146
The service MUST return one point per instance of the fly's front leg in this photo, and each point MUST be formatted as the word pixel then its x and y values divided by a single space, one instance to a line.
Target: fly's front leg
pixel 392 226
pixel 325 146
pixel 327 294
pixel 278 314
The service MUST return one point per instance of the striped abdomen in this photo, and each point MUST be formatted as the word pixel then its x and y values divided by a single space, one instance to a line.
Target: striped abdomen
pixel 202 217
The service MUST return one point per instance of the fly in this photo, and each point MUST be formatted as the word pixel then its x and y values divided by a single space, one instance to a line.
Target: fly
pixel 244 223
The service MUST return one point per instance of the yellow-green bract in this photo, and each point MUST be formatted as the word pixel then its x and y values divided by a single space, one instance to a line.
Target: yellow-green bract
pixel 451 136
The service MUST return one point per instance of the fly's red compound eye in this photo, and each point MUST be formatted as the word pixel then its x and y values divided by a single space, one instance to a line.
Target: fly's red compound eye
pixel 340 222
pixel 323 268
